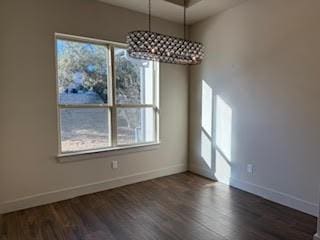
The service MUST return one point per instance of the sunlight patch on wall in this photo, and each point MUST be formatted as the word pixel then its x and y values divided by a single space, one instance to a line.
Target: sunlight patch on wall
pixel 206 118
pixel 206 124
pixel 206 149
pixel 223 127
pixel 223 168
pixel 223 140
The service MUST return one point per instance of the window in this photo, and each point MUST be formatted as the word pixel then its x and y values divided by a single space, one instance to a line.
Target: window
pixel 106 100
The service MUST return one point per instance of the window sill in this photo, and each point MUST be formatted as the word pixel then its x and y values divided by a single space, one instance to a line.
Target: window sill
pixel 87 155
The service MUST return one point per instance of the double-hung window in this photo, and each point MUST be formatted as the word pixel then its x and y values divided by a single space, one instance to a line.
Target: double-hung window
pixel 106 100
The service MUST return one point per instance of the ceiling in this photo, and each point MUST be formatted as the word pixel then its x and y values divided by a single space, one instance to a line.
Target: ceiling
pixel 173 9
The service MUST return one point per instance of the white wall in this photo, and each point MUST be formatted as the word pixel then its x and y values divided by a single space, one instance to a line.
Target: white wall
pixel 262 59
pixel 29 171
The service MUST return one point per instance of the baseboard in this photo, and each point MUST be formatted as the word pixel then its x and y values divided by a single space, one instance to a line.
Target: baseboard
pixel 267 193
pixel 316 237
pixel 276 196
pixel 1 227
pixel 67 193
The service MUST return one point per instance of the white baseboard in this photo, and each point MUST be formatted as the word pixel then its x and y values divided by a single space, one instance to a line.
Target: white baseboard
pixel 267 193
pixel 276 196
pixel 67 193
pixel 1 226
pixel 316 237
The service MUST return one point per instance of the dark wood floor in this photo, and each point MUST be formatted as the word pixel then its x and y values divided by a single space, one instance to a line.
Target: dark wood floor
pixel 183 206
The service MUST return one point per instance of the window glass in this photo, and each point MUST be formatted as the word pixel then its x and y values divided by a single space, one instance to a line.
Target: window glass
pixel 134 79
pixel 82 72
pixel 135 125
pixel 84 129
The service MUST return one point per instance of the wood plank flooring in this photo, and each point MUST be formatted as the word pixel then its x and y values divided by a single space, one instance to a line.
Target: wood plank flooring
pixel 179 207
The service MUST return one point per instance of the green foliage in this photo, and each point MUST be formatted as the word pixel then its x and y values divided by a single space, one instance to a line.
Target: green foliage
pixel 127 78
pixel 128 87
pixel 86 59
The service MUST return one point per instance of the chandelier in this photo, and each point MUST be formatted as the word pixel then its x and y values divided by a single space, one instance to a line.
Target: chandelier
pixel 154 46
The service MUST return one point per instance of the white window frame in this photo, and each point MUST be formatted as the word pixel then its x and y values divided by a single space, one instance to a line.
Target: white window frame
pixel 111 106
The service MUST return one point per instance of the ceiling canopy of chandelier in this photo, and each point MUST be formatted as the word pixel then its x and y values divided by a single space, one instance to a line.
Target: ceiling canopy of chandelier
pixel 150 45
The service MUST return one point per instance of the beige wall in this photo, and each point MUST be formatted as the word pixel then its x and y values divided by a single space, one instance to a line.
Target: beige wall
pixel 29 171
pixel 262 59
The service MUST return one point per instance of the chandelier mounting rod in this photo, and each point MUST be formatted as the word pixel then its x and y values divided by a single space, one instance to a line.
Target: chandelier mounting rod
pixel 184 20
pixel 149 15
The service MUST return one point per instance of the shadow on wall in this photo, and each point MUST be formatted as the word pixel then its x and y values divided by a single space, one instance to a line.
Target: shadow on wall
pixel 216 132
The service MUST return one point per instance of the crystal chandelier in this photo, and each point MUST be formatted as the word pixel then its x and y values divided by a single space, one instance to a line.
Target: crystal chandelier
pixel 150 45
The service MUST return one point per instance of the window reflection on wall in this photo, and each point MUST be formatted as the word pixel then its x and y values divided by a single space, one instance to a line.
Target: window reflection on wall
pixel 223 140
pixel 207 109
pixel 216 132
pixel 206 124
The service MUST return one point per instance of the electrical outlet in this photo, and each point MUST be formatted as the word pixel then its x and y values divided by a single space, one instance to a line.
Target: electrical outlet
pixel 114 164
pixel 250 169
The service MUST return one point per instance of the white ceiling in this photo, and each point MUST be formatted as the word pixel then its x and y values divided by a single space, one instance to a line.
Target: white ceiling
pixel 196 11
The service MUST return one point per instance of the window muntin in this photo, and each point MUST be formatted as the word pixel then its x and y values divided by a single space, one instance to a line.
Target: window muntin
pixel 106 99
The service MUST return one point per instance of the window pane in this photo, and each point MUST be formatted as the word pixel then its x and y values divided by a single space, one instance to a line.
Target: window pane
pixel 135 125
pixel 134 79
pixel 82 72
pixel 84 129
